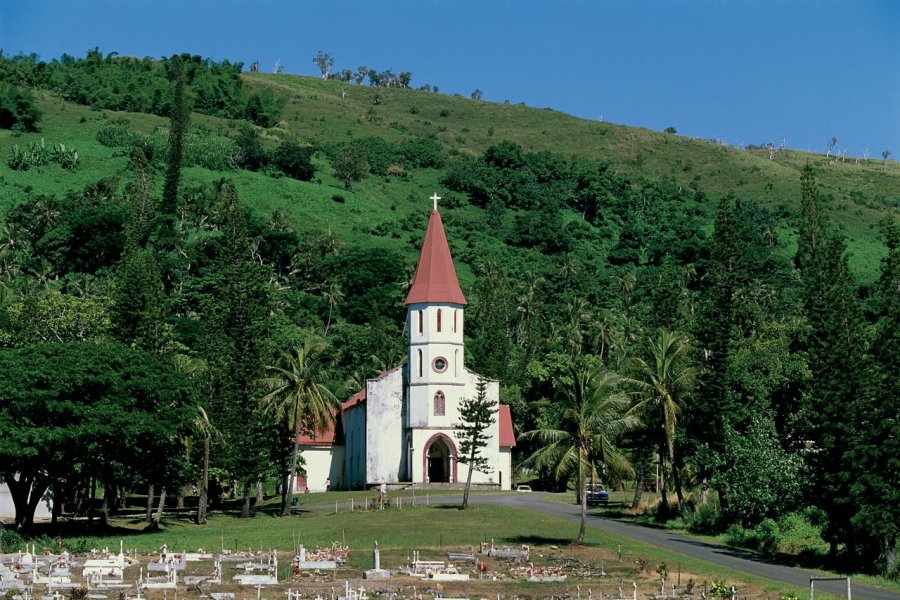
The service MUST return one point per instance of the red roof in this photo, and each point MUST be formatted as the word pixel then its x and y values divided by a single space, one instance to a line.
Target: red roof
pixel 435 276
pixel 507 436
pixel 326 437
pixel 329 436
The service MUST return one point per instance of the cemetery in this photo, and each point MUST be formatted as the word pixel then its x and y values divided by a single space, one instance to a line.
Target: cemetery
pixel 497 567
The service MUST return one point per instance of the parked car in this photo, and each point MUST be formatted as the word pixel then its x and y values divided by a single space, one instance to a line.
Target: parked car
pixel 523 488
pixel 597 495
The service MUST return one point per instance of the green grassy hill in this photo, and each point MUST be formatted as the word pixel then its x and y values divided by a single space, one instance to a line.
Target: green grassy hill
pixel 859 193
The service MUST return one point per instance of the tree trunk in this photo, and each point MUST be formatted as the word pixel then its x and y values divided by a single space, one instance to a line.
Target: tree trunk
pixel 91 501
pixel 149 512
pixel 56 509
pixel 204 485
pixel 179 500
pixel 162 504
pixel 890 554
pixel 104 506
pixel 663 501
pixel 465 503
pixel 26 494
pixel 284 491
pixel 682 508
pixel 260 493
pixel 582 495
pixel 245 509
pixel 639 485
pixel 289 488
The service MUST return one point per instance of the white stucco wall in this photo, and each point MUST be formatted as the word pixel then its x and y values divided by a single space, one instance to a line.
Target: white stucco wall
pixel 323 464
pixel 385 439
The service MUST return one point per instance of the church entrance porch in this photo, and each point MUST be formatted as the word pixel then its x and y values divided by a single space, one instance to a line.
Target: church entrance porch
pixel 440 460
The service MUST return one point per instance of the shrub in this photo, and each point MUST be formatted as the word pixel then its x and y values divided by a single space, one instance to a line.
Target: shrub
pixel 705 520
pixel 116 136
pixel 422 153
pixel 294 160
pixel 767 536
pixel 36 155
pixel 17 109
pixel 10 541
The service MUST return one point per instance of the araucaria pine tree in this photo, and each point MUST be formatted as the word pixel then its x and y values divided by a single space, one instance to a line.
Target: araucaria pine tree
pixel 180 116
pixel 476 416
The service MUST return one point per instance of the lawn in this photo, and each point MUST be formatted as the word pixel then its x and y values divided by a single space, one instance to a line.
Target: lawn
pixel 434 529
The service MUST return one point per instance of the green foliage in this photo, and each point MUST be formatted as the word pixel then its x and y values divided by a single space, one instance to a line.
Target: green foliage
pixel 36 155
pixel 350 164
pixel 97 408
pixel 58 318
pixel 294 160
pixel 10 541
pixel 142 85
pixel 17 109
pixel 205 150
pixel 758 478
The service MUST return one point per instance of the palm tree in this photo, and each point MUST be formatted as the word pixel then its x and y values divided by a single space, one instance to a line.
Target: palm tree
pixel 586 420
pixel 662 375
pixel 333 296
pixel 208 431
pixel 298 397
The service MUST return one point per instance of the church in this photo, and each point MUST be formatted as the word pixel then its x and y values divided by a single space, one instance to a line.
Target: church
pixel 402 428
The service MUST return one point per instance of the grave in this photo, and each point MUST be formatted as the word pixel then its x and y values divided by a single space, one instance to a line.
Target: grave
pixel 248 577
pixel 320 558
pixel 518 554
pixel 167 582
pixel 376 573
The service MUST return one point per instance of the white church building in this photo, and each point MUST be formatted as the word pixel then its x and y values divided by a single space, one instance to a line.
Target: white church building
pixel 403 427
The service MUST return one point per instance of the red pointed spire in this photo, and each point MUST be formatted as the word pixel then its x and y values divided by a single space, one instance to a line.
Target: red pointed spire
pixel 435 280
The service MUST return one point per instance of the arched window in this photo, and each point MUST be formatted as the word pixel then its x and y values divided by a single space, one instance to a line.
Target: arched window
pixel 439 403
pixel 421 320
pixel 439 321
pixel 455 313
pixel 456 363
pixel 420 363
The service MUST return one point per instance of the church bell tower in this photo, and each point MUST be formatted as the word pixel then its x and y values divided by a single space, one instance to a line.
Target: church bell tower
pixel 435 317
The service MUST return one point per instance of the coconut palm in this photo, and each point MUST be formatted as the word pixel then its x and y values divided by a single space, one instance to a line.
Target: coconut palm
pixel 584 424
pixel 299 398
pixel 662 376
pixel 206 429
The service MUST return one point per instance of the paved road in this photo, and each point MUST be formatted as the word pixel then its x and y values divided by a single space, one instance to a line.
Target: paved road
pixel 686 545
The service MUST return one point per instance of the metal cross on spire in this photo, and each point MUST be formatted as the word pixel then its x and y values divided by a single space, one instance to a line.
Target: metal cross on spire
pixel 435 197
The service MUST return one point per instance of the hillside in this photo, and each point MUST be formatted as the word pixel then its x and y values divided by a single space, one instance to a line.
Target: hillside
pixel 317 111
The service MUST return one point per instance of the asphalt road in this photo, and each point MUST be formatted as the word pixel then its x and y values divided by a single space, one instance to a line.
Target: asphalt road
pixel 717 555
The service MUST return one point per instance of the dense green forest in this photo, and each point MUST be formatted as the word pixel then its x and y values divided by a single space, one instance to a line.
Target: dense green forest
pixel 181 221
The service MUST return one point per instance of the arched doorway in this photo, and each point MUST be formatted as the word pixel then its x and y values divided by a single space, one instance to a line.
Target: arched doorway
pixel 439 464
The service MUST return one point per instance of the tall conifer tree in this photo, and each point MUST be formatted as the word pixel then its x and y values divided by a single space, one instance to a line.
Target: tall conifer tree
pixel 179 121
pixel 836 349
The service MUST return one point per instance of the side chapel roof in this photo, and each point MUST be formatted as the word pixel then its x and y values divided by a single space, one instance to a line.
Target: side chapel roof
pixel 435 280
pixel 507 436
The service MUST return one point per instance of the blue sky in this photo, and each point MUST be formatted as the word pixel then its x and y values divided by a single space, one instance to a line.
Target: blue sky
pixel 742 71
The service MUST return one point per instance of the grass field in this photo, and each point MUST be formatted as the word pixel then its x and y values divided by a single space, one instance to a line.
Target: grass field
pixel 433 530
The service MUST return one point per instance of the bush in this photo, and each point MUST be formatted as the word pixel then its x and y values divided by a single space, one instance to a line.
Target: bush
pixel 206 150
pixel 10 541
pixel 767 536
pixel 295 161
pixel 17 109
pixel 422 153
pixel 116 136
pixel 37 155
pixel 706 519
